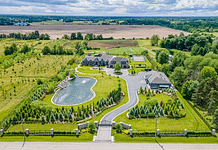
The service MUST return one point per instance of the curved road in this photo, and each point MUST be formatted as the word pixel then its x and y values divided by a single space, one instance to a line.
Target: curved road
pixel 133 84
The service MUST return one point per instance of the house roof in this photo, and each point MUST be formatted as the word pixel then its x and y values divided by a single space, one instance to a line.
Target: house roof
pixel 157 77
pixel 105 57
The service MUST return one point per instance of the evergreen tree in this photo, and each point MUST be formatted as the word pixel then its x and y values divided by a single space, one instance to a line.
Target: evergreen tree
pixel 132 112
pixel 43 120
pixel 60 117
pixel 52 118
pixel 37 116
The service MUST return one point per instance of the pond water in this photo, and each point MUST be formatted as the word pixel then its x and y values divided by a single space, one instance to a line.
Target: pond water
pixel 78 91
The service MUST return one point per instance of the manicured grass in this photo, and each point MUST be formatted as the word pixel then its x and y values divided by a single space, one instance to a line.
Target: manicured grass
pixel 89 71
pixel 37 127
pixel 127 50
pixel 126 139
pixel 191 122
pixel 85 137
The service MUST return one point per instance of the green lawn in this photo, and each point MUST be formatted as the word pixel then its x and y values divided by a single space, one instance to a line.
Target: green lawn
pixel 37 127
pixel 191 122
pixel 89 71
pixel 85 137
pixel 127 50
pixel 126 139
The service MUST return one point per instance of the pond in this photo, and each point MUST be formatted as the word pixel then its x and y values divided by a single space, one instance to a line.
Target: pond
pixel 78 91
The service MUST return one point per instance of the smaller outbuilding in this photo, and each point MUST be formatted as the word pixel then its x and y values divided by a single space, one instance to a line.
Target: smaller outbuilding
pixel 157 80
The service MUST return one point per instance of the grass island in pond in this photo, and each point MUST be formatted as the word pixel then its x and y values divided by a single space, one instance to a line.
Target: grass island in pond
pixel 78 91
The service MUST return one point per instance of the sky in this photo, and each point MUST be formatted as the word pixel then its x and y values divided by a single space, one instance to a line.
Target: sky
pixel 111 7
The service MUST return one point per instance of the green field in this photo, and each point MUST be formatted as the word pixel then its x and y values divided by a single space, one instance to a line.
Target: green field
pixel 191 122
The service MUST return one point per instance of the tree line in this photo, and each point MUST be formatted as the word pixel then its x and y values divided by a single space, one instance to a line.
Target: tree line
pixel 27 36
pixel 88 36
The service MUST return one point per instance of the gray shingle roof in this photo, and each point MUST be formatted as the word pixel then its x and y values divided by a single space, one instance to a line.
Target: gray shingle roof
pixel 157 77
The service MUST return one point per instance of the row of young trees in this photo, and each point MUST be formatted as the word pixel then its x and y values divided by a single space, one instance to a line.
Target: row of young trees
pixel 151 108
pixel 39 111
pixel 27 36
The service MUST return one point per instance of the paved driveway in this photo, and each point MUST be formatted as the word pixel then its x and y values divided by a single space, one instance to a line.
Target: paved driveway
pixel 133 84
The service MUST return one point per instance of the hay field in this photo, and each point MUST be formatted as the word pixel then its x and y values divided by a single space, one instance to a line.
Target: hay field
pixel 117 31
pixel 108 44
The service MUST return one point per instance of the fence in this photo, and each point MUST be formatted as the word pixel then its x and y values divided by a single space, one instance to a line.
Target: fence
pixel 40 133
pixel 172 134
pixel 202 118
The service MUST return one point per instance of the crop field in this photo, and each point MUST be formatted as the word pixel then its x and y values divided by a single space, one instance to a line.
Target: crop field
pixel 191 122
pixel 17 80
pixel 116 31
pixel 108 44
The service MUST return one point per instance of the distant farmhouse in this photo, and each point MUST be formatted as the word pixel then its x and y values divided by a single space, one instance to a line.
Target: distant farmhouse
pixel 157 80
pixel 104 60
pixel 21 24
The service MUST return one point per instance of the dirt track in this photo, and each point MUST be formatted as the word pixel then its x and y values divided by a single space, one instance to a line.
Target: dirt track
pixel 117 31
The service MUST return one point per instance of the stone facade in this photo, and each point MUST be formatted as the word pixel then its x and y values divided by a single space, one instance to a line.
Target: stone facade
pixel 104 60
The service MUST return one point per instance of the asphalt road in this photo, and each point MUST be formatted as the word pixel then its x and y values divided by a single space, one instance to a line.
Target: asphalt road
pixel 133 84
pixel 103 146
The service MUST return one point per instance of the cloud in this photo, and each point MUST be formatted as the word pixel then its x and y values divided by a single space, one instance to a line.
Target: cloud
pixel 111 7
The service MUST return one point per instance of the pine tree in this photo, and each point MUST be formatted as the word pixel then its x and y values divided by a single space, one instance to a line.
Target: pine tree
pixel 37 116
pixel 52 118
pixel 145 90
pixel 70 117
pixel 132 112
pixel 60 117
pixel 43 120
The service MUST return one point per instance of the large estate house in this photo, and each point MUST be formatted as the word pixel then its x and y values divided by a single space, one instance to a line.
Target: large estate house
pixel 157 80
pixel 104 60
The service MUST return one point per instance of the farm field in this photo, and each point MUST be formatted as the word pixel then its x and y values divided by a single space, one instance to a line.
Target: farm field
pixel 116 31
pixel 191 122
pixel 17 80
pixel 108 44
